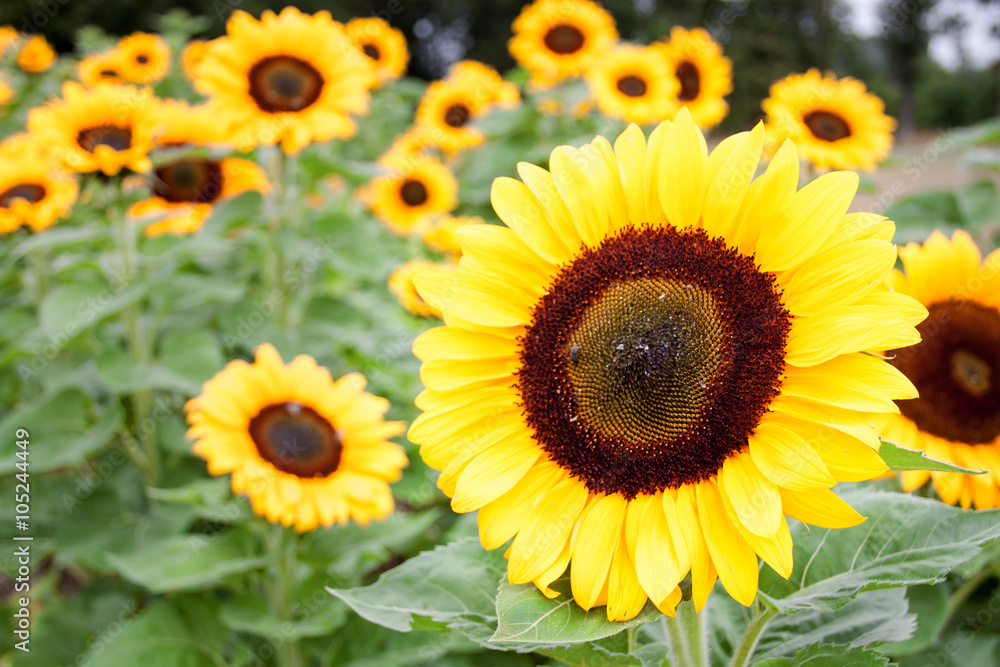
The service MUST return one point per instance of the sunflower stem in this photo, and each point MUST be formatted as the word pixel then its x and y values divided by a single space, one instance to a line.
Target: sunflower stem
pixel 287 543
pixel 686 636
pixel 748 642
pixel 39 267
pixel 630 640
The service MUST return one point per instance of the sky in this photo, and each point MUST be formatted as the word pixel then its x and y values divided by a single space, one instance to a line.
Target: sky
pixel 980 47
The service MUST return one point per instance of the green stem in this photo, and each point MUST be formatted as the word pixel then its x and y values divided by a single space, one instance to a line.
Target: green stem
pixel 630 640
pixel 963 592
pixel 39 267
pixel 748 643
pixel 686 636
pixel 289 654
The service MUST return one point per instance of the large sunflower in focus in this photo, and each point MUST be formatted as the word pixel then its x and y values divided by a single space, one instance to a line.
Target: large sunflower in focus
pixel 554 39
pixel 107 128
pixel 956 368
pixel 307 450
pixel 656 361
pixel 382 44
pixel 834 122
pixel 291 78
pixel 408 195
pixel 187 189
pixel 704 75
pixel 33 192
pixel 633 83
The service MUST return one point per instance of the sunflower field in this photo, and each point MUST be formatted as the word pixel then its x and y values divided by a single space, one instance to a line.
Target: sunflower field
pixel 306 362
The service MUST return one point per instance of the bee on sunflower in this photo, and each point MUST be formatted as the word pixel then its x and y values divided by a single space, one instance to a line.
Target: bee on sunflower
pixel 34 193
pixel 955 367
pixel 405 196
pixel 107 128
pixel 656 361
pixel 291 78
pixel 307 450
pixel 835 123
pixel 187 189
pixel 704 75
pixel 382 44
pixel 633 83
pixel 555 39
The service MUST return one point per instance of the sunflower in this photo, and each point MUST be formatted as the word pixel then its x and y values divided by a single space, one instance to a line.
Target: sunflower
pixel 404 197
pixel 384 45
pixel 144 57
pixel 36 55
pixel 445 111
pixel 193 54
pixel 486 82
pixel 307 450
pixel 107 128
pixel 101 68
pixel 441 233
pixel 401 285
pixel 834 122
pixel 704 74
pixel 656 361
pixel 413 146
pixel 956 368
pixel 33 192
pixel 186 190
pixel 8 37
pixel 6 92
pixel 290 78
pixel 633 83
pixel 554 39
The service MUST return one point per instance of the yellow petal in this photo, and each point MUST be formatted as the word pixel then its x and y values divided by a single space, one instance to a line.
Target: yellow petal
pixel 501 519
pixel 540 540
pixel 785 458
pixel 734 559
pixel 625 596
pixel 681 174
pixel 596 541
pixel 765 198
pixel 655 560
pixel 755 500
pixel 819 507
pixel 555 571
pixel 494 471
pixel 515 204
pixel 729 170
pixel 630 151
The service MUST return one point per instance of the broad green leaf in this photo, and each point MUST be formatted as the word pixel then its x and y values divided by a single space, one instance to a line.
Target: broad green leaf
pixel 929 604
pixel 979 203
pixel 527 617
pixel 376 540
pixel 61 432
pixel 188 562
pixel 591 655
pixel 828 655
pixel 58 237
pixel 123 375
pixel 876 617
pixel 194 355
pixel 905 541
pixel 454 585
pixel 961 649
pixel 900 458
pixel 76 307
pixel 251 613
pixel 360 644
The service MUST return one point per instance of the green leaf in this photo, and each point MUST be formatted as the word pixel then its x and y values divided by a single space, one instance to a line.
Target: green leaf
pixel 979 203
pixel 75 307
pixel 930 606
pixel 528 617
pixel 123 375
pixel 376 540
pixel 961 649
pixel 593 655
pixel 454 585
pixel 905 541
pixel 187 562
pixel 900 458
pixel 827 655
pixel 194 355
pixel 61 431
pixel 59 237
pixel 251 613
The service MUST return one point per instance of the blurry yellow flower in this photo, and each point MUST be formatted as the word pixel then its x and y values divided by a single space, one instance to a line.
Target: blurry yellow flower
pixel 306 450
pixel 633 83
pixel 704 75
pixel 401 285
pixel 415 145
pixel 442 233
pixel 193 54
pixel 8 35
pixel 145 58
pixel 382 44
pixel 101 68
pixel 6 92
pixel 485 83
pixel 402 198
pixel 446 110
pixel 36 56
pixel 33 192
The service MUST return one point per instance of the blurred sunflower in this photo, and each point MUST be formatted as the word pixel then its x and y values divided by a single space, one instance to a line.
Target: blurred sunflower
pixel 143 57
pixel 834 122
pixel 633 83
pixel 401 285
pixel 101 68
pixel 401 199
pixel 656 361
pixel 8 37
pixel 6 92
pixel 554 39
pixel 415 145
pixel 445 111
pixel 36 55
pixel 307 450
pixel 956 368
pixel 33 192
pixel 193 53
pixel 186 190
pixel 291 78
pixel 441 233
pixel 384 45
pixel 486 83
pixel 107 128
pixel 704 74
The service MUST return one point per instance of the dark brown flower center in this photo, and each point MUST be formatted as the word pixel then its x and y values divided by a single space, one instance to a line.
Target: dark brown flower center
pixel 690 80
pixel 108 74
pixel 372 51
pixel 413 193
pixel 142 59
pixel 827 126
pixel 632 86
pixel 457 115
pixel 116 137
pixel 956 369
pixel 651 359
pixel 284 83
pixel 189 180
pixel 564 39
pixel 296 439
pixel 29 192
